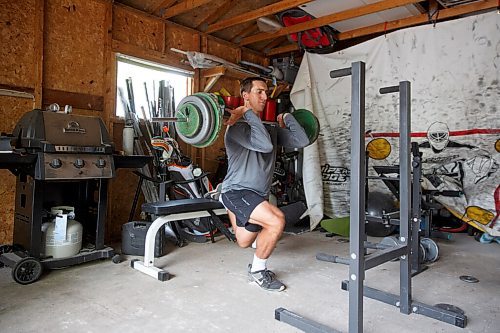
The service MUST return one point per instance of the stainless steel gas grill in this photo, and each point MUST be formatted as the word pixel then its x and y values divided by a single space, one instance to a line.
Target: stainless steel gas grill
pixel 67 146
pixel 66 160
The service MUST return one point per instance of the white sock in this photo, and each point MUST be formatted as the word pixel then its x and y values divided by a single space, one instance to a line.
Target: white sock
pixel 258 264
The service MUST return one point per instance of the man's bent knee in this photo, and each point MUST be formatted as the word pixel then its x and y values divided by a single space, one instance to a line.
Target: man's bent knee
pixel 244 238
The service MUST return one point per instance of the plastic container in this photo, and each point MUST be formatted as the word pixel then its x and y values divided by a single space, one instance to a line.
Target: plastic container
pixel 270 111
pixel 134 239
pixel 128 140
pixel 231 102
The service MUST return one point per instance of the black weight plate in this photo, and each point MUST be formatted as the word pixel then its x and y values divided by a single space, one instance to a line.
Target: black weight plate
pixel 468 278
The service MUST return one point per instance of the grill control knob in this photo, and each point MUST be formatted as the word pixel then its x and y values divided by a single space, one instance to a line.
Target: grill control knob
pixel 56 163
pixel 101 163
pixel 79 163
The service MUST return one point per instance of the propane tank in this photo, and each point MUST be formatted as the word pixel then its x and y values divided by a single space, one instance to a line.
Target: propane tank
pixel 57 245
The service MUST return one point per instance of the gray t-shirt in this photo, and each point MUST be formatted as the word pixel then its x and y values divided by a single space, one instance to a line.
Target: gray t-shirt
pixel 251 151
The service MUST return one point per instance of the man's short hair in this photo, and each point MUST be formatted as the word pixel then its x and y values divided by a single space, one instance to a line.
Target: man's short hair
pixel 246 84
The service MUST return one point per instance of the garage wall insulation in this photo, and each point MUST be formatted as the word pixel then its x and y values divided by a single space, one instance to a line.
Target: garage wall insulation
pixel 453 68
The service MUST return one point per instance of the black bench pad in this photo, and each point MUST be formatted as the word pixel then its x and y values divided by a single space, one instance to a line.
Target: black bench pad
pixel 181 206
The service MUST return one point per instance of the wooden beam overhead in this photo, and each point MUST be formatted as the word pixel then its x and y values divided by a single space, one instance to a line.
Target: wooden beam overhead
pixel 328 19
pixel 401 23
pixel 255 14
pixel 248 29
pixel 283 49
pixel 183 7
pixel 275 42
pixel 419 19
pixel 162 6
pixel 216 14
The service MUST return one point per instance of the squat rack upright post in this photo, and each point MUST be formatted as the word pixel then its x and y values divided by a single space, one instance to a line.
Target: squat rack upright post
pixel 407 247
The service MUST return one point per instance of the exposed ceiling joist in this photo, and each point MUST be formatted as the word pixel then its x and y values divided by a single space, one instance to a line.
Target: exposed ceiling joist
pixel 329 19
pixel 275 42
pixel 282 49
pixel 183 7
pixel 401 23
pixel 215 18
pixel 247 30
pixel 216 14
pixel 255 14
pixel 165 4
pixel 419 19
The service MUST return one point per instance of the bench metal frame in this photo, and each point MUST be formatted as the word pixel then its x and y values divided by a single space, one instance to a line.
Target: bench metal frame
pixel 147 266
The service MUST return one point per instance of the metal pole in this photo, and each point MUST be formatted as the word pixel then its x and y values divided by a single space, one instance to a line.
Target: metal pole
pixel 416 210
pixel 357 201
pixel 404 194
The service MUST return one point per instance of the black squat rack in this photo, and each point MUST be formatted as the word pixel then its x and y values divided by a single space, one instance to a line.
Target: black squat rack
pixel 406 249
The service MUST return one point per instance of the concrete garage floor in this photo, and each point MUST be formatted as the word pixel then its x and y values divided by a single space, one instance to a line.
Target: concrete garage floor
pixel 209 292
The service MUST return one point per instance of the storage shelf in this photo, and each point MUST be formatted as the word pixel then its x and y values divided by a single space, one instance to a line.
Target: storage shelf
pixel 213 74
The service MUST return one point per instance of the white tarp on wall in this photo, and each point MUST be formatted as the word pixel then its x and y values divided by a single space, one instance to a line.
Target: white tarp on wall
pixel 454 73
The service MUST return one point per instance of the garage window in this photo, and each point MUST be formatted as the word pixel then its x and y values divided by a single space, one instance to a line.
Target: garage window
pixel 149 76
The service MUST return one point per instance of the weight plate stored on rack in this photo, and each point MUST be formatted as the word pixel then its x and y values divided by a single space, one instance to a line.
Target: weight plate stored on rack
pixel 431 249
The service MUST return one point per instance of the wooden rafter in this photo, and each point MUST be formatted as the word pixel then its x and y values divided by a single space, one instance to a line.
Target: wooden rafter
pixel 247 30
pixel 328 19
pixel 283 49
pixel 401 23
pixel 255 14
pixel 165 4
pixel 183 7
pixel 419 19
pixel 216 14
pixel 275 42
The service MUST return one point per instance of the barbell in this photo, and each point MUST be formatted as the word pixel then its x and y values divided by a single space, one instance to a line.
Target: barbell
pixel 198 119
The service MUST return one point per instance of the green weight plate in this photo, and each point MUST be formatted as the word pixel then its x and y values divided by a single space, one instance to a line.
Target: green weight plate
pixel 218 116
pixel 309 123
pixel 191 127
pixel 217 112
pixel 205 121
pixel 217 124
pixel 212 106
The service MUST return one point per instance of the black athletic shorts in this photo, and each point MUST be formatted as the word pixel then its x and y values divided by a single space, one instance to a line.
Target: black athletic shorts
pixel 242 203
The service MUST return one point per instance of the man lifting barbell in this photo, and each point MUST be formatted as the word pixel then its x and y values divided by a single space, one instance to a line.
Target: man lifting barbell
pixel 251 152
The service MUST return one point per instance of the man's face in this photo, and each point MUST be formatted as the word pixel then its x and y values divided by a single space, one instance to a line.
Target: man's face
pixel 257 97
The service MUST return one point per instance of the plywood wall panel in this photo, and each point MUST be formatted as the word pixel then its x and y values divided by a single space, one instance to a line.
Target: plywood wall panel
pixel 179 38
pixel 7 193
pixel 74 46
pixel 223 50
pixel 136 29
pixel 16 43
pixel 123 188
pixel 11 110
pixel 255 58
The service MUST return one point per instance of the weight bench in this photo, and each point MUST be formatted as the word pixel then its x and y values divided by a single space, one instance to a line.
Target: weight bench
pixel 175 211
